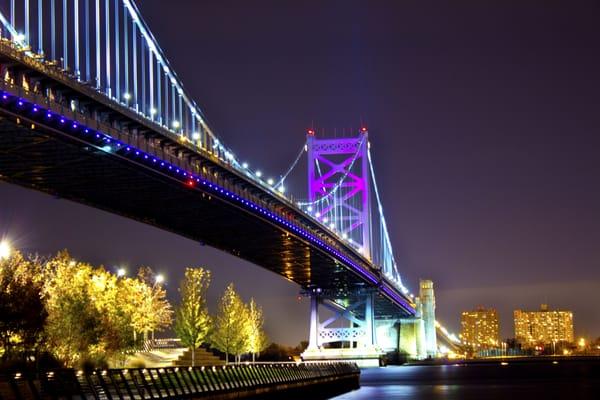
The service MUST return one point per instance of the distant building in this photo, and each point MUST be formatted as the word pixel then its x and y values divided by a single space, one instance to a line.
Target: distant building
pixel 479 328
pixel 543 327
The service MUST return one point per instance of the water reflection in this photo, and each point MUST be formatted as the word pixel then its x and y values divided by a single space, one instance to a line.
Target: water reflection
pixel 489 381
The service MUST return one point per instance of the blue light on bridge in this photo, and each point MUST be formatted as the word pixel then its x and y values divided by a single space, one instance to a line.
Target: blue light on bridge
pixel 188 178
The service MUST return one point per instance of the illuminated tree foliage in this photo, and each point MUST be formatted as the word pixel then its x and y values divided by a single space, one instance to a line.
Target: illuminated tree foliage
pixel 74 326
pixel 192 321
pixel 22 312
pixel 230 330
pixel 93 315
pixel 154 312
pixel 257 340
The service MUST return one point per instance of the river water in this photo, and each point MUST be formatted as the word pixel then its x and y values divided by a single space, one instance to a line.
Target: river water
pixel 540 380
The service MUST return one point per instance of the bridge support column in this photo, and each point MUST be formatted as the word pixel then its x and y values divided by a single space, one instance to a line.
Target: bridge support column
pixel 313 336
pixel 427 301
pixel 350 323
pixel 371 339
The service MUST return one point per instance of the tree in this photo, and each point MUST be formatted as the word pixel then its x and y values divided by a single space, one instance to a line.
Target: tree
pixel 22 311
pixel 74 327
pixel 256 338
pixel 154 310
pixel 91 312
pixel 229 335
pixel 192 321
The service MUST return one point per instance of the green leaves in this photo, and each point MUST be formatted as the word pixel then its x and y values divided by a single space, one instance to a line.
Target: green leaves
pixel 80 311
pixel 192 321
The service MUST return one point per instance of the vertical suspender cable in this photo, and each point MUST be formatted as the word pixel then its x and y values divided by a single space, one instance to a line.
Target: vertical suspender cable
pixel 12 15
pixel 126 49
pixel 86 10
pixel 98 59
pixel 193 115
pixel 151 87
pixel 135 66
pixel 27 22
pixel 180 113
pixel 107 41
pixel 40 28
pixel 53 28
pixel 65 48
pixel 159 92
pixel 143 77
pixel 167 119
pixel 117 54
pixel 76 33
pixel 173 109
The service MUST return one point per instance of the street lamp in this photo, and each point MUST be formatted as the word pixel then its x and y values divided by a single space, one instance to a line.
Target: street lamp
pixel 121 272
pixel 5 250
pixel 159 279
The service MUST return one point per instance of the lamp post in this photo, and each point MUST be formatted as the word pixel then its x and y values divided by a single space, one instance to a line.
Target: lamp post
pixel 121 272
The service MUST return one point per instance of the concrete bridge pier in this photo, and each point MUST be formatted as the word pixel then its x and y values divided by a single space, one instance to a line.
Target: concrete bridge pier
pixel 356 342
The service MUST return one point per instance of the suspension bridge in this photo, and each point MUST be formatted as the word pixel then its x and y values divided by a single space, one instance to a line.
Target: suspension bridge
pixel 91 110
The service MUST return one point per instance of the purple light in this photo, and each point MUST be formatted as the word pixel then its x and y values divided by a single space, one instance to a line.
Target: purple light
pixel 62 120
pixel 4 96
pixel 20 103
pixel 48 115
pixel 74 126
pixel 35 109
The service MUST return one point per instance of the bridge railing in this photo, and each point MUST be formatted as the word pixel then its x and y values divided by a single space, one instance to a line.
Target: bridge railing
pixel 175 382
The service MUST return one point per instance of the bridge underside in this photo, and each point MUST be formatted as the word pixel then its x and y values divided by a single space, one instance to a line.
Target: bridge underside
pixel 48 160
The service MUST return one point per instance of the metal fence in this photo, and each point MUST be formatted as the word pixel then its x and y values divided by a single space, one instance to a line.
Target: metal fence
pixel 169 383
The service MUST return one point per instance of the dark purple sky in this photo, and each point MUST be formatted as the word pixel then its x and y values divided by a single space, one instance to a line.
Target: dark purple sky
pixel 484 120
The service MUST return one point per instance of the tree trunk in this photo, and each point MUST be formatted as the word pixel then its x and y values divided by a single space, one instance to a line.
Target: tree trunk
pixel 193 356
pixel 253 357
pixel 226 358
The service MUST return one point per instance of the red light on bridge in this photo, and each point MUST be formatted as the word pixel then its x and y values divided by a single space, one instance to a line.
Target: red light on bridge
pixel 311 132
pixel 190 183
pixel 363 129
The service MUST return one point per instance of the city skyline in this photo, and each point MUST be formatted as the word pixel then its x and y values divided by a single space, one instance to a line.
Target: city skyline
pixel 451 182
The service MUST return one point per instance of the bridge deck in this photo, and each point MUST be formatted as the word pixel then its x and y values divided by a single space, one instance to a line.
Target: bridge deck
pixel 49 156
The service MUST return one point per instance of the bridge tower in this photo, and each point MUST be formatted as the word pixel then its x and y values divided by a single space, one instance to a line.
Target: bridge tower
pixel 427 301
pixel 339 196
pixel 339 187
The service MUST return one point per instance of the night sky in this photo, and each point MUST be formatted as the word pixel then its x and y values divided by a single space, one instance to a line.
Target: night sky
pixel 484 120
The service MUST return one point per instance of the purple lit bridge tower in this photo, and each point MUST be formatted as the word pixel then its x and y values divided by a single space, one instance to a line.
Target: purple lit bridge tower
pixel 340 184
pixel 338 187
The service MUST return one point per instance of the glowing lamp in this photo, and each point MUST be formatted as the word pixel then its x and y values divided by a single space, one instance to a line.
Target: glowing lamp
pixel 5 250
